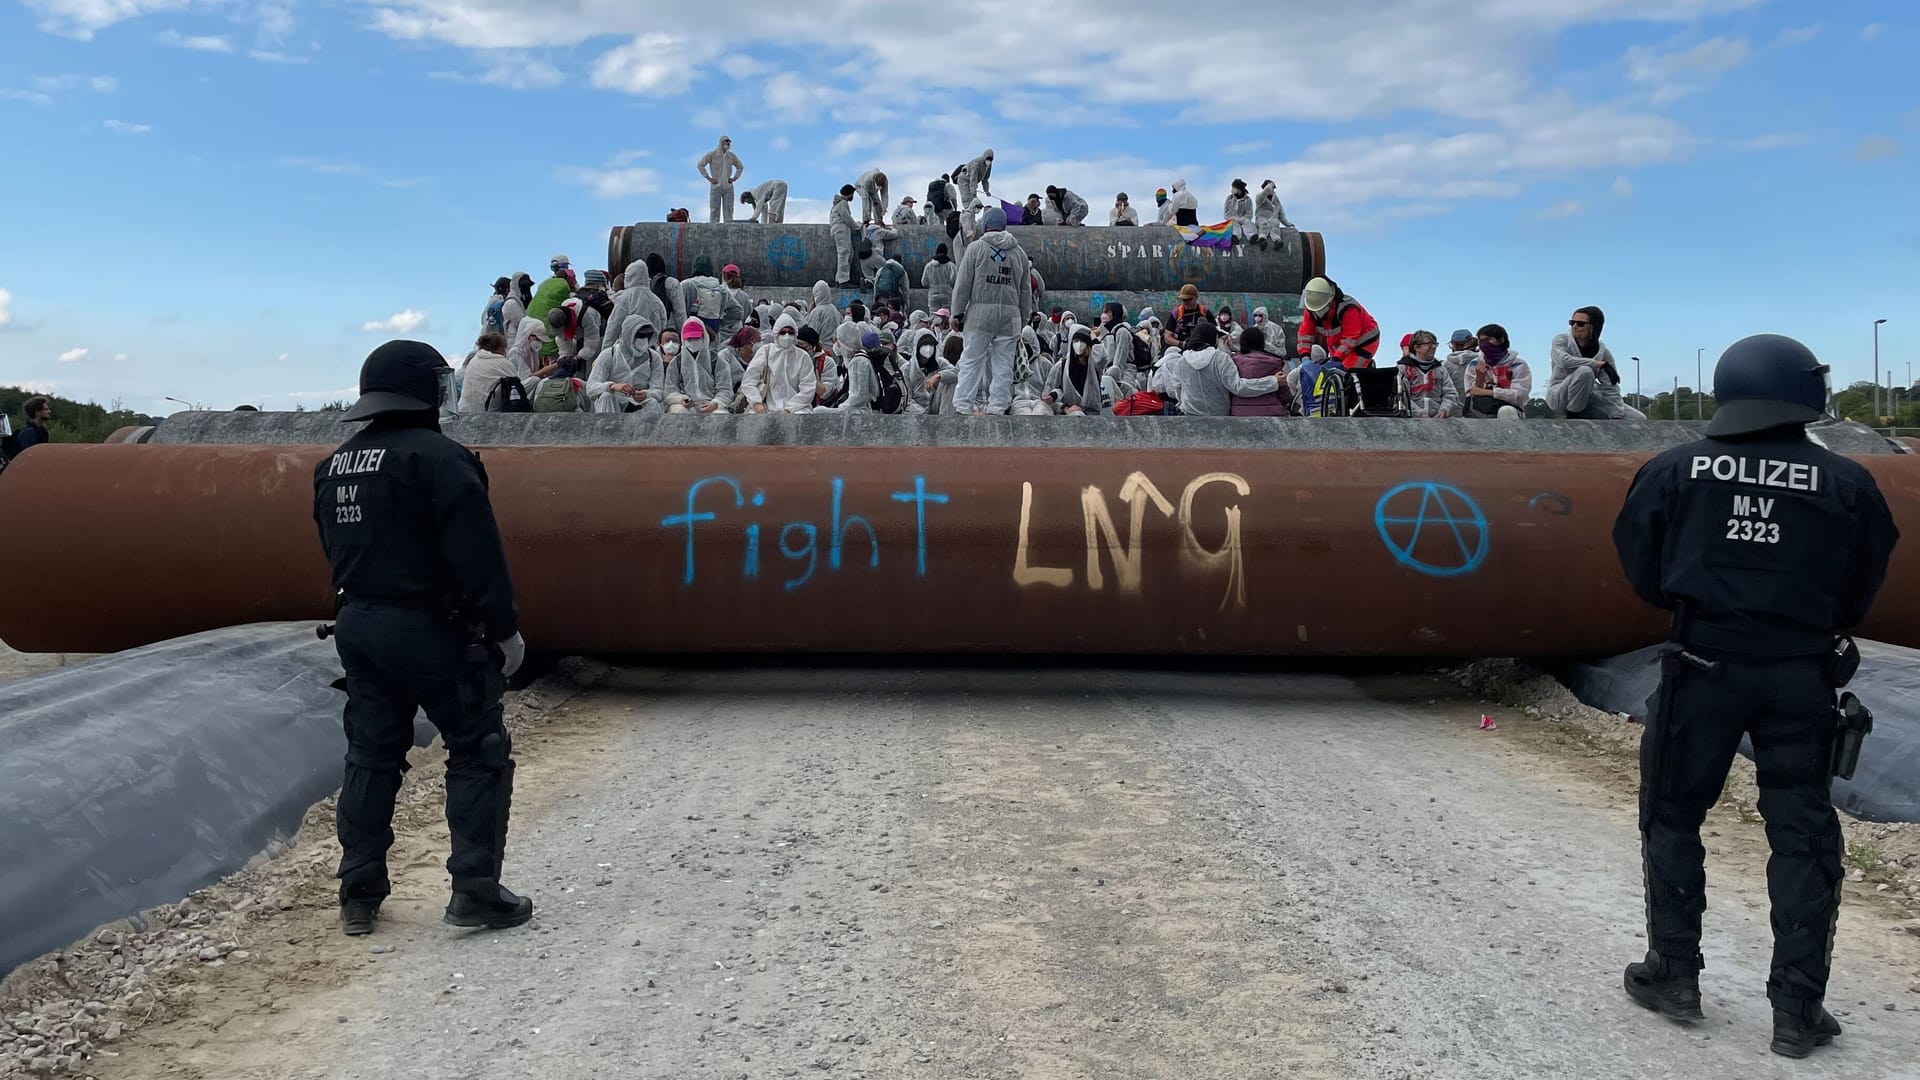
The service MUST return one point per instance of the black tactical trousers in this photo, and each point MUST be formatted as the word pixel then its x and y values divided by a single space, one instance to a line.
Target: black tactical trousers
pixel 398 660
pixel 1692 735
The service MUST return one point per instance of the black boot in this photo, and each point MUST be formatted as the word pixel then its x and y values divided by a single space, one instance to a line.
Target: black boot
pixel 357 917
pixel 486 905
pixel 1668 987
pixel 1795 1036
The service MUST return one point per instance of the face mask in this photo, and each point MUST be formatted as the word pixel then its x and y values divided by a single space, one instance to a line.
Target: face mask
pixel 788 337
pixel 926 352
pixel 671 348
pixel 1080 348
pixel 1493 351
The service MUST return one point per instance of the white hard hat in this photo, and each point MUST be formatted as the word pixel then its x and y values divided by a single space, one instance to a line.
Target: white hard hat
pixel 1317 296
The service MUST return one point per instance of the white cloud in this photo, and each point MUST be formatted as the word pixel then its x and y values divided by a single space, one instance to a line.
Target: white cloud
pixel 1877 148
pixel 1242 149
pixel 74 355
pixel 1782 140
pixel 405 322
pixel 6 308
pixel 613 181
pixel 1622 187
pixel 103 84
pixel 848 142
pixel 1564 209
pixel 516 74
pixel 1871 31
pixel 121 127
pixel 797 99
pixel 1674 75
pixel 283 357
pixel 32 97
pixel 782 144
pixel 740 66
pixel 323 166
pixel 119 358
pixel 81 18
pixel 269 56
pixel 1796 35
pixel 58 84
pixel 198 43
pixel 628 157
pixel 654 64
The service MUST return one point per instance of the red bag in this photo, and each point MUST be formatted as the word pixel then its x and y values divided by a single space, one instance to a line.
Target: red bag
pixel 1140 403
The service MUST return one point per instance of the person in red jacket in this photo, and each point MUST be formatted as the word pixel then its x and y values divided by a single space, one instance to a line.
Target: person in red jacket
pixel 1336 322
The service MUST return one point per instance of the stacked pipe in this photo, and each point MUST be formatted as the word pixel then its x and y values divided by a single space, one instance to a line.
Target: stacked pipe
pixel 1084 268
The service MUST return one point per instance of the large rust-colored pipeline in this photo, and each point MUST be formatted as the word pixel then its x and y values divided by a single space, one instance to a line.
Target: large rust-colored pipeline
pixel 956 549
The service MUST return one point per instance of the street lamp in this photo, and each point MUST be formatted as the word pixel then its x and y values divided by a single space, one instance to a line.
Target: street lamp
pixel 1636 380
pixel 191 407
pixel 1876 367
pixel 1699 368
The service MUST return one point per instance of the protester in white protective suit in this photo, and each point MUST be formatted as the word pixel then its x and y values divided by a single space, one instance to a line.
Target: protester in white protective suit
pixel 485 368
pixel 1186 208
pixel 720 167
pixel 1073 387
pixel 1239 211
pixel 635 298
pixel 700 381
pixel 863 381
pixel 992 295
pixel 527 342
pixel 823 316
pixel 1032 371
pixel 904 214
pixel 1275 335
pixel 920 351
pixel 780 378
pixel 1065 207
pixel 518 297
pixel 937 278
pixel 1123 212
pixel 1114 349
pixel 769 202
pixel 846 240
pixel 974 177
pixel 628 375
pixel 1269 217
pixel 872 186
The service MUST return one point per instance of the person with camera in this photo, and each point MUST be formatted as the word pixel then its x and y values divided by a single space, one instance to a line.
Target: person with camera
pixel 1766 548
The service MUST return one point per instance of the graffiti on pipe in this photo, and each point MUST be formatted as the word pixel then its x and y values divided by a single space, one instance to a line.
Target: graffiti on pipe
pixel 787 254
pixel 1553 503
pixel 1448 518
pixel 1139 492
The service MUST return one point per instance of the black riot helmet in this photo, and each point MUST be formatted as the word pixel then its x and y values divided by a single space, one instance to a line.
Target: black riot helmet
pixel 1767 381
pixel 401 376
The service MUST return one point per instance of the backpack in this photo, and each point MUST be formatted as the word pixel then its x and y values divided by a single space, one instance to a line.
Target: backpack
pixel 839 395
pixel 598 300
pixel 495 318
pixel 709 299
pixel 1142 354
pixel 508 395
pixel 891 395
pixel 937 198
pixel 557 395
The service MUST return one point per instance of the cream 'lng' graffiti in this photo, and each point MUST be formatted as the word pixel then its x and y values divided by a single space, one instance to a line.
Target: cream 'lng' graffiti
pixel 1139 492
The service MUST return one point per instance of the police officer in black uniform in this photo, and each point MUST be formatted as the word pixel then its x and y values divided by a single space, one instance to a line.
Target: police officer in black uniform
pixel 1765 547
pixel 426 621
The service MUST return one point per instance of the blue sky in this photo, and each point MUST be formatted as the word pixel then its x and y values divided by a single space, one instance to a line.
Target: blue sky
pixel 232 201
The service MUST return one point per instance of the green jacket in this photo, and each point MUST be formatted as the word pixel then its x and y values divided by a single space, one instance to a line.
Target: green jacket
pixel 551 294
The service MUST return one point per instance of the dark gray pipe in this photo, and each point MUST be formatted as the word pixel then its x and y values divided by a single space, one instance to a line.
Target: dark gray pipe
pixel 1284 308
pixel 1091 259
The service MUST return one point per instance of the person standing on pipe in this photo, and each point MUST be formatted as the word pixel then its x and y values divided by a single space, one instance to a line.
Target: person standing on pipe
pixel 1767 548
pixel 720 167
pixel 426 621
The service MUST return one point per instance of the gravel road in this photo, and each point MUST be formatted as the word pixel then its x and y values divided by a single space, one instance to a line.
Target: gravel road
pixel 954 873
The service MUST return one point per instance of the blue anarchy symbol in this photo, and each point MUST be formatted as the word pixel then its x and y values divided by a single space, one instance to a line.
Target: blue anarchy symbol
pixel 787 254
pixel 1406 512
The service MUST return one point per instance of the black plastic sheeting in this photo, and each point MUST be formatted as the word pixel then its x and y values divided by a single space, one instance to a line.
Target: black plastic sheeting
pixel 132 780
pixel 1885 785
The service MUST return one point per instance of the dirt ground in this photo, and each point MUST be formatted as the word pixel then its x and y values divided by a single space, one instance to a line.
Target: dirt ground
pixel 952 873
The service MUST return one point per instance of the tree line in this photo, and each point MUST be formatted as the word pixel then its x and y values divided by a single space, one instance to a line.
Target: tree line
pixel 73 421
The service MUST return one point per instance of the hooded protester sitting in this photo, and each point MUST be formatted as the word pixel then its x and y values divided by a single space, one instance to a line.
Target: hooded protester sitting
pixel 701 380
pixel 1273 335
pixel 1128 361
pixel 1584 384
pixel 627 373
pixel 552 293
pixel 1499 383
pixel 741 348
pixel 519 298
pixel 1163 207
pixel 1335 321
pixel 597 303
pixel 1431 392
pixel 1269 217
pixel 1229 329
pixel 1255 362
pixel 873 378
pixel 484 371
pixel 822 316
pixel 937 278
pixel 1239 212
pixel 1032 371
pixel 533 336
pixel 1187 314
pixel 1123 212
pixel 666 289
pixel 1186 208
pixel 1212 380
pixel 769 202
pixel 1115 348
pixel 1069 207
pixel 992 298
pixel 636 298
pixel 1073 386
pixel 493 317
pixel 931 382
pixel 1463 351
pixel 781 377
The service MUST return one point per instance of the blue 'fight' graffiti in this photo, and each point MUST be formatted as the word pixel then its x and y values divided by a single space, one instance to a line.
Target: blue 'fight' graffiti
pixel 799 541
pixel 1400 522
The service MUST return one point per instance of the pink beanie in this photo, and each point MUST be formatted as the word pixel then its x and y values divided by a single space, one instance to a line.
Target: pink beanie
pixel 693 328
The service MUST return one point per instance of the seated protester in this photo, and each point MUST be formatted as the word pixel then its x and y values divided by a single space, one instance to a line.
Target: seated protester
pixel 933 387
pixel 596 304
pixel 567 321
pixel 1229 330
pixel 528 341
pixel 741 346
pixel 1073 386
pixel 1211 379
pixel 1585 384
pixel 822 316
pixel 826 374
pixel 1255 362
pixel 1272 333
pixel 1168 373
pixel 488 365
pixel 1323 386
pixel 1462 350
pixel 1499 383
pixel 1431 392
pixel 702 381
pixel 1115 348
pixel 1032 371
pixel 1186 314
pixel 1133 374
pixel 873 379
pixel 781 377
pixel 707 298
pixel 625 373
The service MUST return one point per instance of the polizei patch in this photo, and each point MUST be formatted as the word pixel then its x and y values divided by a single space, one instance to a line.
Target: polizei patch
pixel 356 462
pixel 1760 472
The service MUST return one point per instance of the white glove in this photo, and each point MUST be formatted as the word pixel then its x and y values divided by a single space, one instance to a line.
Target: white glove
pixel 514 653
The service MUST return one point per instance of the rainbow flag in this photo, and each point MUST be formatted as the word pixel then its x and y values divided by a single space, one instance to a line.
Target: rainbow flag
pixel 1207 236
pixel 1016 212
